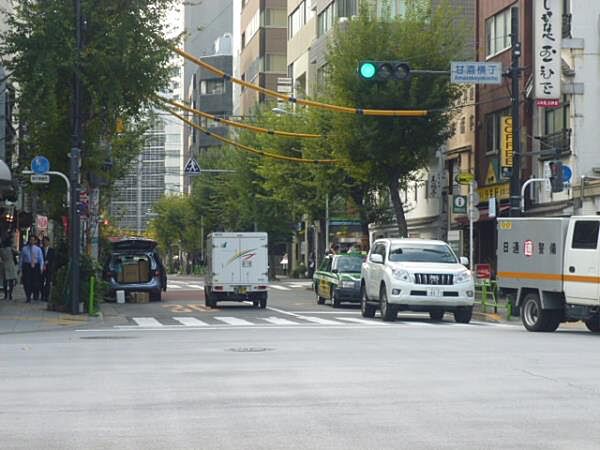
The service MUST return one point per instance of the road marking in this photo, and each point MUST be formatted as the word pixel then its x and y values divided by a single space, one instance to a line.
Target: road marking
pixel 279 321
pixel 298 285
pixel 319 320
pixel 361 321
pixel 147 321
pixel 233 321
pixel 190 322
pixel 355 313
pixel 173 286
pixel 281 288
pixel 196 286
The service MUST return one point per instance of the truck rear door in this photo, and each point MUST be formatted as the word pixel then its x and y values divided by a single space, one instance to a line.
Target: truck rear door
pixel 582 262
pixel 253 259
pixel 226 263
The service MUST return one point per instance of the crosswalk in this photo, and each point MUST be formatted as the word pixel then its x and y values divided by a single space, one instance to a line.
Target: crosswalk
pixel 295 320
pixel 180 285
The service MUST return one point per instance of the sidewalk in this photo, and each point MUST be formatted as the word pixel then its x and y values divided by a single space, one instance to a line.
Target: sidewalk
pixel 16 316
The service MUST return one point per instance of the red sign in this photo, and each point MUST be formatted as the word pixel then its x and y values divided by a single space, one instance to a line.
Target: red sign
pixel 41 222
pixel 483 271
pixel 547 102
pixel 528 248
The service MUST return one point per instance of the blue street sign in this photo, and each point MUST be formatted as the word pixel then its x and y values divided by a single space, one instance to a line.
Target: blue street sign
pixel 567 173
pixel 40 165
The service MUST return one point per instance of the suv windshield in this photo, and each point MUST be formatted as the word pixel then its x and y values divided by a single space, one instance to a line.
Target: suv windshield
pixel 348 264
pixel 430 253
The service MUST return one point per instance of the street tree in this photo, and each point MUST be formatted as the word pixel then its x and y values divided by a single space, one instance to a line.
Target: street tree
pixel 124 61
pixel 386 151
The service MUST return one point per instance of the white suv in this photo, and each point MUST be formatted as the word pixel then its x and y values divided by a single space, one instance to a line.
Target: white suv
pixel 416 275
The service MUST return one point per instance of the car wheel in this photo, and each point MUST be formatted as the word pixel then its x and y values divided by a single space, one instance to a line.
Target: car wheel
pixel 535 318
pixel 155 296
pixel 463 314
pixel 335 301
pixel 366 310
pixel 436 315
pixel 209 300
pixel 262 302
pixel 593 324
pixel 388 312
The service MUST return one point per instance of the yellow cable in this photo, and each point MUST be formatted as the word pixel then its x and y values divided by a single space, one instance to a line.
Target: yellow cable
pixel 238 124
pixel 301 101
pixel 250 149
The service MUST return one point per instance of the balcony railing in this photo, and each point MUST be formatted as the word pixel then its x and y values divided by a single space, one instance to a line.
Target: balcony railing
pixel 554 144
pixel 566 26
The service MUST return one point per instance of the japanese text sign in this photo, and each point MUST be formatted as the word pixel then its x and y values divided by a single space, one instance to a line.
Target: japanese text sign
pixel 507 141
pixel 548 36
pixel 475 72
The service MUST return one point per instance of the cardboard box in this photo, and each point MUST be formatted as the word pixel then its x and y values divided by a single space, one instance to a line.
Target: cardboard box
pixel 144 270
pixel 139 297
pixel 131 273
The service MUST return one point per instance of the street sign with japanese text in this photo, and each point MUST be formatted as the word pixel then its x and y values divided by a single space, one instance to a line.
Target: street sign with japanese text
pixel 40 179
pixel 547 20
pixel 475 72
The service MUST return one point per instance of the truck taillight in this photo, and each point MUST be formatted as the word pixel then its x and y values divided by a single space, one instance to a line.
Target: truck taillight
pixel 261 287
pixel 218 288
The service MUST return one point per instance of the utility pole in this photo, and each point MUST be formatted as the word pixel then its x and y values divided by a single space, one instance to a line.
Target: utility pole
pixel 74 172
pixel 515 75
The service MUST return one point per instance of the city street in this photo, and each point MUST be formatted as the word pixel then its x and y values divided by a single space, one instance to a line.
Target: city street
pixel 296 375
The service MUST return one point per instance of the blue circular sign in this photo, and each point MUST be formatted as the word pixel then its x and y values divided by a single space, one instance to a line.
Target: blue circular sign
pixel 567 173
pixel 40 165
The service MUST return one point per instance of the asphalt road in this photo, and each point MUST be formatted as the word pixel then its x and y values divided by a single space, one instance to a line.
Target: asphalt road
pixel 281 379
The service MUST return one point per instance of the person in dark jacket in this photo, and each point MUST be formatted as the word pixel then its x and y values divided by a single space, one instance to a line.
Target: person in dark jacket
pixel 32 263
pixel 49 267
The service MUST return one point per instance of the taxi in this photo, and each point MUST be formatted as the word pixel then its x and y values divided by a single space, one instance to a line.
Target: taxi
pixel 338 279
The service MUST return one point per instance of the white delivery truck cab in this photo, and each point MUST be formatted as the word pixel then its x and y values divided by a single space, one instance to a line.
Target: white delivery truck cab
pixel 551 267
pixel 238 267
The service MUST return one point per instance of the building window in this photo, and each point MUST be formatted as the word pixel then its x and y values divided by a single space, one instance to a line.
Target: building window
pixel 325 20
pixel 212 87
pixel 462 125
pixel 472 123
pixel 322 75
pixel 244 40
pixel 497 33
pixel 252 27
pixel 275 63
pixel 346 8
pixel 493 130
pixel 472 94
pixel 391 8
pixel 296 20
pixel 557 119
pixel 275 17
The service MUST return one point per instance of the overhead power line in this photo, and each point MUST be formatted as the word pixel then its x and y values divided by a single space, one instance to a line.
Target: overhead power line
pixel 251 149
pixel 238 124
pixel 302 101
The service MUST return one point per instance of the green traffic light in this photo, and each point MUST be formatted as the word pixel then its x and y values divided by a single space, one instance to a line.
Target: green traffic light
pixel 367 70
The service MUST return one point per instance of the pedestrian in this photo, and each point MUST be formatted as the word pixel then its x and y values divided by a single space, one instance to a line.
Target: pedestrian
pixel 32 263
pixel 284 264
pixel 7 255
pixel 49 267
pixel 311 265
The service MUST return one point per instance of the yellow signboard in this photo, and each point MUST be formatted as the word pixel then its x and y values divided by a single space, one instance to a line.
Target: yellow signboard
pixel 500 191
pixel 464 178
pixel 506 146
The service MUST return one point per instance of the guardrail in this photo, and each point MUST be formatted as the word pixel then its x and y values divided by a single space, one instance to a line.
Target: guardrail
pixel 487 291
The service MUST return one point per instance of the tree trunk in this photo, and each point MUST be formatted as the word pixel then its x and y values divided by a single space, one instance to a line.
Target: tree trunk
pixel 358 196
pixel 393 186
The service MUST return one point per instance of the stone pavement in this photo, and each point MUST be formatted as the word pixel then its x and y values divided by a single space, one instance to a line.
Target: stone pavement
pixel 16 316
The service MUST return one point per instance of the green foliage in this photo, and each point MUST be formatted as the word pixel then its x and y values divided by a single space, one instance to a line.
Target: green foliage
pixel 386 151
pixel 124 61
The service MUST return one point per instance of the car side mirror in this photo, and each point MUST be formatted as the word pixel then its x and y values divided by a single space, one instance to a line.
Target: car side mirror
pixel 464 260
pixel 377 258
pixel 334 271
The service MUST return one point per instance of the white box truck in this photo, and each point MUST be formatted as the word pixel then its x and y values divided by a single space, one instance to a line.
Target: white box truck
pixel 237 269
pixel 551 267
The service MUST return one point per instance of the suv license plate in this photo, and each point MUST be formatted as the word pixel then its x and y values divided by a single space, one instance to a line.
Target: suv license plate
pixel 243 290
pixel 434 292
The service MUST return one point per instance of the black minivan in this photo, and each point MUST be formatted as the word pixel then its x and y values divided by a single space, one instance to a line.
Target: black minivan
pixel 135 266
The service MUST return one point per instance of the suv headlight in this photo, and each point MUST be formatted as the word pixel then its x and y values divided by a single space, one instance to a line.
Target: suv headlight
pixel 402 275
pixel 463 277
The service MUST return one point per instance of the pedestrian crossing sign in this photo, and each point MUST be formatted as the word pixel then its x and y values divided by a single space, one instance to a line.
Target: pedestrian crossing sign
pixel 192 167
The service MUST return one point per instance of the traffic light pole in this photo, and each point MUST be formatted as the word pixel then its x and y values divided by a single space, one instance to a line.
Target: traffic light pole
pixel 515 74
pixel 74 172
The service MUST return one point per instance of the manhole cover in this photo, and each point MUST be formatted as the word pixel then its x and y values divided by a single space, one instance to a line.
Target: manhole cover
pixel 250 349
pixel 107 337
